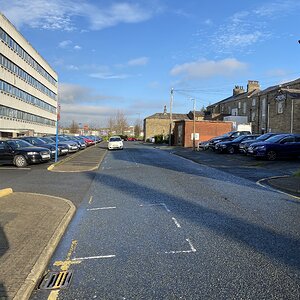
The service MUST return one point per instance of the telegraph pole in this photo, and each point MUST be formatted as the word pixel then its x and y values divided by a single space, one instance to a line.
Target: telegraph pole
pixel 194 124
pixel 171 117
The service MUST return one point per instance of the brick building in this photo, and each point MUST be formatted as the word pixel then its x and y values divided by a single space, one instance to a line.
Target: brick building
pixel 275 109
pixel 159 123
pixel 204 130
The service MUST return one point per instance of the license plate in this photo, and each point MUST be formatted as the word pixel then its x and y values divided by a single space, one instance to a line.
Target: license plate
pixel 45 156
pixel 64 150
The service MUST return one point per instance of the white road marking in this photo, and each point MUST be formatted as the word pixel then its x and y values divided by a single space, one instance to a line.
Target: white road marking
pixel 193 249
pixel 13 168
pixel 93 257
pixel 102 208
pixel 91 199
pixel 156 204
pixel 176 252
pixel 176 222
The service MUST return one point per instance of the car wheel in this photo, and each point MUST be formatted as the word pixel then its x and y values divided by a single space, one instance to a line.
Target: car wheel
pixel 230 150
pixel 20 161
pixel 271 155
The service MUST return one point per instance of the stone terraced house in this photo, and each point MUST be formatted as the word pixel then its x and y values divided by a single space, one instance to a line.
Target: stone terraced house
pixel 274 109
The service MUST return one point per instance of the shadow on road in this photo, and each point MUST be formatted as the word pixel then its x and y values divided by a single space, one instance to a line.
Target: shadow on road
pixel 266 241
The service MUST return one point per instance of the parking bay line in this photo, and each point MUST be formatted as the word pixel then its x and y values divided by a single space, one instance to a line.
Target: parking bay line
pixel 93 257
pixel 156 204
pixel 102 208
pixel 192 250
pixel 176 222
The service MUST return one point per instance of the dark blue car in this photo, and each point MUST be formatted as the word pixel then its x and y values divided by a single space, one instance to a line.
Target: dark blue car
pixel 281 145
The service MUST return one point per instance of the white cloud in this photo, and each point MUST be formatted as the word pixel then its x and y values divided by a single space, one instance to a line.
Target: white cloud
pixel 60 14
pixel 72 93
pixel 141 61
pixel 77 47
pixel 207 69
pixel 109 76
pixel 65 44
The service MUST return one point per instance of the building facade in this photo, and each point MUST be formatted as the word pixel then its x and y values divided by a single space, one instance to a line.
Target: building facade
pixel 159 124
pixel 274 109
pixel 28 87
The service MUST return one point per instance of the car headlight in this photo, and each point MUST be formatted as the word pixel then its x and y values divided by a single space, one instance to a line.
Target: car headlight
pixel 32 153
pixel 261 147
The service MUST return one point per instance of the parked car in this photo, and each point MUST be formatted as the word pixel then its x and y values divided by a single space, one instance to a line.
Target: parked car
pixel 226 137
pixel 115 142
pixel 244 145
pixel 131 139
pixel 21 153
pixel 63 149
pixel 233 145
pixel 281 145
pixel 40 143
pixel 80 142
pixel 88 141
pixel 72 146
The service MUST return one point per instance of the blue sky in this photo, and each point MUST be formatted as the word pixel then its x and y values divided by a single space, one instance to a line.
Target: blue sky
pixel 126 55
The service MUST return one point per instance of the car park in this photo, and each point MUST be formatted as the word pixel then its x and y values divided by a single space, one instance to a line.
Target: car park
pixel 40 143
pixel 244 145
pixel 81 143
pixel 280 145
pixel 115 142
pixel 232 146
pixel 62 148
pixel 21 153
pixel 72 146
pixel 226 137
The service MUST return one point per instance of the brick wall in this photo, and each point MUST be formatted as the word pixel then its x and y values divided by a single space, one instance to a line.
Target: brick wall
pixel 206 130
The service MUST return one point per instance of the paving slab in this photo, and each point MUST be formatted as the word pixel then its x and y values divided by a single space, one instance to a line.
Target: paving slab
pixel 31 226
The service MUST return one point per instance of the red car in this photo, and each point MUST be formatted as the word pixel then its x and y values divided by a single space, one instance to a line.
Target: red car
pixel 131 139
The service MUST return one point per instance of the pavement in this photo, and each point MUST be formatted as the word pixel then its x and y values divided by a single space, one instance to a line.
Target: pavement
pixel 31 225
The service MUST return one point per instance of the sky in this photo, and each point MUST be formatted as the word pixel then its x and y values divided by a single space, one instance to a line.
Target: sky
pixel 125 56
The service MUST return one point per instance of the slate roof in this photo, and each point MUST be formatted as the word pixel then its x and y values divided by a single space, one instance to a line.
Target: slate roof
pixel 167 116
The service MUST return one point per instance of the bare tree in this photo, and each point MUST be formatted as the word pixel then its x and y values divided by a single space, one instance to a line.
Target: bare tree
pixel 74 127
pixel 137 128
pixel 121 123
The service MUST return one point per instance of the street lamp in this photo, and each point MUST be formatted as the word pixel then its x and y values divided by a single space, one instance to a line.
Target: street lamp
pixel 194 124
pixel 171 117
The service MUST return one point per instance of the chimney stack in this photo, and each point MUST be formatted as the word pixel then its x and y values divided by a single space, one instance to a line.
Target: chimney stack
pixel 165 109
pixel 238 90
pixel 252 85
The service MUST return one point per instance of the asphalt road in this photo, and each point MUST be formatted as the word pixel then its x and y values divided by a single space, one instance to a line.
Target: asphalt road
pixel 153 225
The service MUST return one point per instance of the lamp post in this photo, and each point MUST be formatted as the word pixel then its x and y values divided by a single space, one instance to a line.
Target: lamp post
pixel 171 117
pixel 194 124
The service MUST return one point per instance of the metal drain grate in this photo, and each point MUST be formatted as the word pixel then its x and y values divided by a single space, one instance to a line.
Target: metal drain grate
pixel 56 280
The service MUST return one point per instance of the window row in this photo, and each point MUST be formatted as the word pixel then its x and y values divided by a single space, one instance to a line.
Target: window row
pixel 12 90
pixel 5 62
pixel 21 115
pixel 15 46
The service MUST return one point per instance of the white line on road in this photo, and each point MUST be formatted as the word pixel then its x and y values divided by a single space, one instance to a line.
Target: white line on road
pixel 91 199
pixel 102 208
pixel 93 257
pixel 156 204
pixel 176 222
pixel 193 249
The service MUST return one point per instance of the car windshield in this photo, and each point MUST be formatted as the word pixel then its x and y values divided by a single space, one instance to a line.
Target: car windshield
pixel 116 139
pixel 264 137
pixel 275 138
pixel 47 140
pixel 39 141
pixel 18 144
pixel 240 138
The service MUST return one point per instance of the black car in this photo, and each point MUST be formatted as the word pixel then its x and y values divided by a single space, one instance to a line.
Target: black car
pixel 21 153
pixel 40 143
pixel 62 148
pixel 244 145
pixel 226 137
pixel 233 146
pixel 280 145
